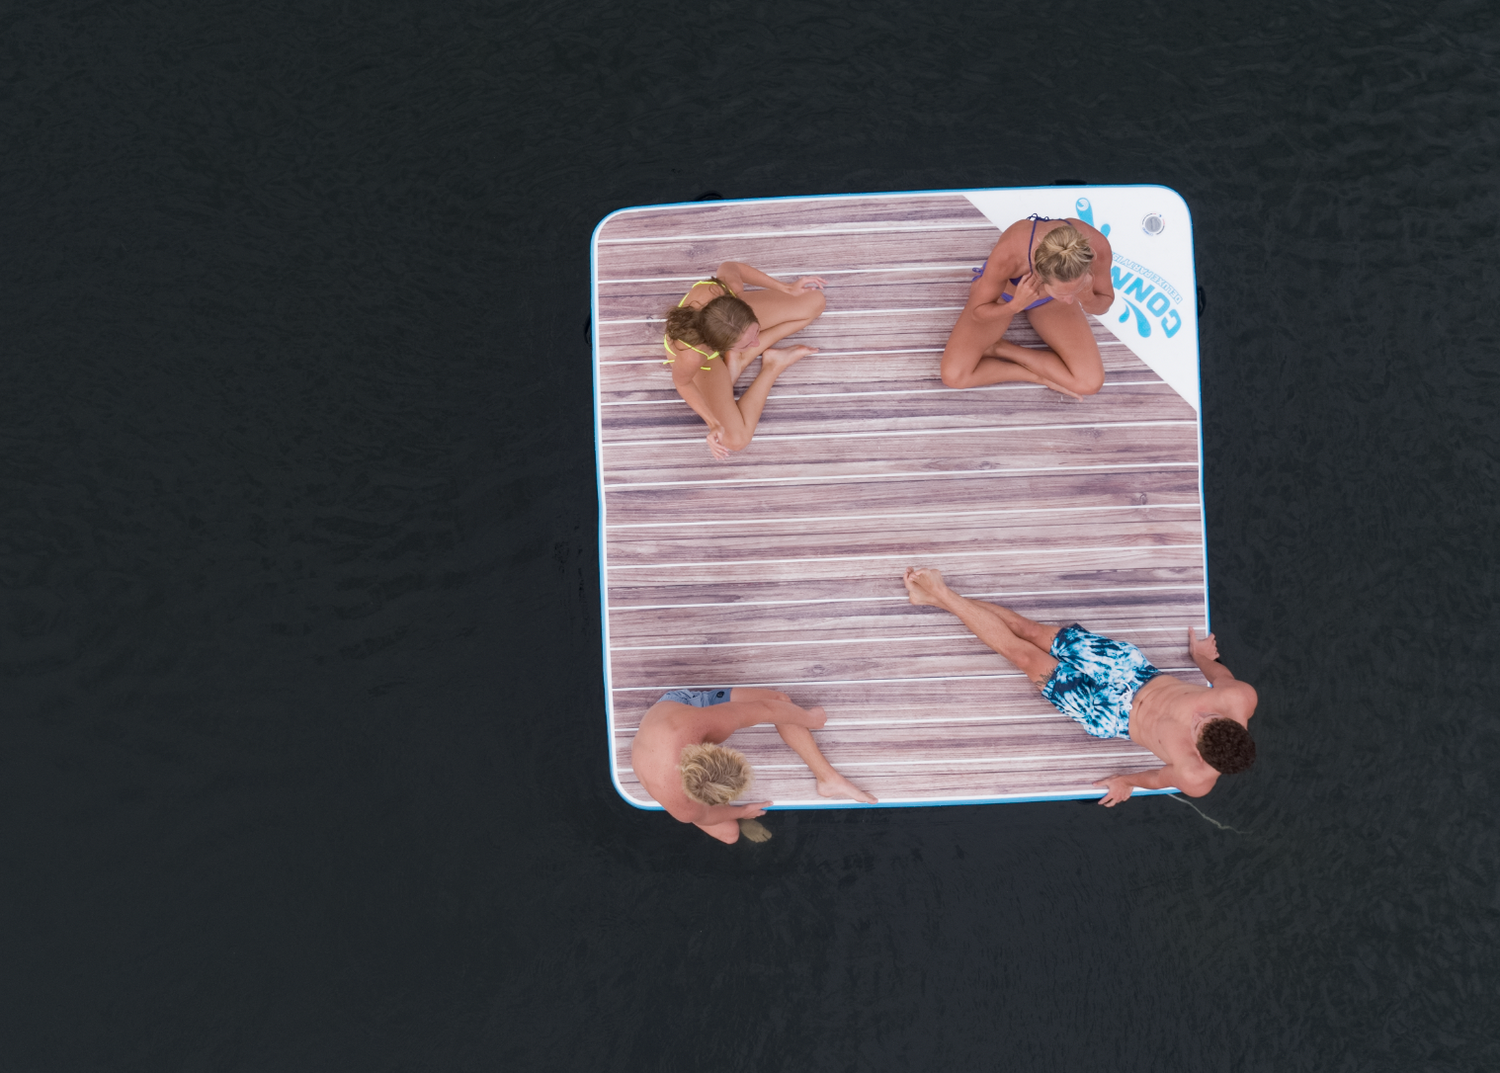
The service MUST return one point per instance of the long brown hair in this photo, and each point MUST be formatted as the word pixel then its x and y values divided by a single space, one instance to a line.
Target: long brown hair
pixel 719 324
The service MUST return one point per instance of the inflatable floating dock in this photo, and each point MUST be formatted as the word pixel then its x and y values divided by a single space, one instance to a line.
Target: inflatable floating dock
pixel 782 566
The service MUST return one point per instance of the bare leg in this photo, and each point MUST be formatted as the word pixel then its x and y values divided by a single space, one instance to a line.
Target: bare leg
pixel 1037 633
pixel 1072 359
pixel 974 358
pixel 989 623
pixel 830 782
pixel 1044 367
pixel 739 693
pixel 781 315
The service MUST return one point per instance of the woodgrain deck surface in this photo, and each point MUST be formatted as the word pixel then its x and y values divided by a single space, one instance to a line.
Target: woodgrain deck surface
pixel 781 567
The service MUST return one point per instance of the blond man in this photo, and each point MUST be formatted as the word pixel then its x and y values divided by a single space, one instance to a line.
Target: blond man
pixel 678 757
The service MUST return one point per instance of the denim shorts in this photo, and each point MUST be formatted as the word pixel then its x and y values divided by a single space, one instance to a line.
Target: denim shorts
pixel 698 698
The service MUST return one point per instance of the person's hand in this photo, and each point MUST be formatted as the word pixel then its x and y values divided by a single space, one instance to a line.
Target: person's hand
pixel 1207 648
pixel 752 810
pixel 1117 789
pixel 716 444
pixel 807 283
pixel 1030 289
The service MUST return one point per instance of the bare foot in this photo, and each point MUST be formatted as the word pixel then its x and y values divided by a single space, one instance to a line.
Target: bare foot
pixel 738 361
pixel 836 785
pixel 782 360
pixel 924 585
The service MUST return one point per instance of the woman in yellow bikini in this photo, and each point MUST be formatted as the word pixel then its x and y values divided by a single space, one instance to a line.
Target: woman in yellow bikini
pixel 719 328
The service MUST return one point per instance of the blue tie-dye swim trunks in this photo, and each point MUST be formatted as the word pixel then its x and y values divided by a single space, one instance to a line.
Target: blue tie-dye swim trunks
pixel 1096 680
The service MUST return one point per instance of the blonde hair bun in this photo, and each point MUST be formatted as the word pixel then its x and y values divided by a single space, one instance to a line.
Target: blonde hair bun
pixel 1062 255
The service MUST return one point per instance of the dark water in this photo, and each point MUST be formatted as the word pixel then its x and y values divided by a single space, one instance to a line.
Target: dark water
pixel 303 763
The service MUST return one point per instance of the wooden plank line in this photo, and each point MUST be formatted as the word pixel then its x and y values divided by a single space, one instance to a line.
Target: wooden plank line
pixel 903 599
pixel 888 432
pixel 693 278
pixel 677 400
pixel 809 642
pixel 826 313
pixel 925 474
pixel 997 512
pixel 986 552
pixel 811 232
pixel 698 683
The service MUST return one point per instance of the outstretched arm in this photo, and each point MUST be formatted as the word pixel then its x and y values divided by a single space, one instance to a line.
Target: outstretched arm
pixel 713 814
pixel 738 274
pixel 1205 654
pixel 1119 787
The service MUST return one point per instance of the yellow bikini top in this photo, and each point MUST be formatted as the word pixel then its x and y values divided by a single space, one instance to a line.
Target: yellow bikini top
pixel 666 340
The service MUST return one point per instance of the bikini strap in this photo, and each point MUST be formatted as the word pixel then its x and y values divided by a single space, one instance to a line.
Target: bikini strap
pixel 666 342
pixel 704 283
pixel 1034 218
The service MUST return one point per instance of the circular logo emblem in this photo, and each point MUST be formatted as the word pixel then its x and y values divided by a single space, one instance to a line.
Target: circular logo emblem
pixel 1153 224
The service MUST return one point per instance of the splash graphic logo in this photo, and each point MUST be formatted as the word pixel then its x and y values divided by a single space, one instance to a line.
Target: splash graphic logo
pixel 1133 281
pixel 1143 291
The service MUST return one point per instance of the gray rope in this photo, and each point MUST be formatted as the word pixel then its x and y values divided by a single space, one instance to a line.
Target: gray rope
pixel 1206 816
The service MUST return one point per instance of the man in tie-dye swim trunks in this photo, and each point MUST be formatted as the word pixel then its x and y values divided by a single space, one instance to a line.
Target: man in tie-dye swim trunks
pixel 1109 688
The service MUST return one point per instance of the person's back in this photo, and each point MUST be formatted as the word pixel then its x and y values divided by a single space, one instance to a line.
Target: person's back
pixel 678 756
pixel 1172 717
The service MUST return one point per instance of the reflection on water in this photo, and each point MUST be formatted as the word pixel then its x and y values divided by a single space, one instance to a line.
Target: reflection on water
pixel 306 763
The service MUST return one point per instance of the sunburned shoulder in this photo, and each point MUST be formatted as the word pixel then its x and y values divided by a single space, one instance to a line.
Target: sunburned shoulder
pixel 1021 230
pixel 1097 241
pixel 1239 699
pixel 1198 784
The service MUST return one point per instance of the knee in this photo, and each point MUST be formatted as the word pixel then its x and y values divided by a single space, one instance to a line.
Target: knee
pixel 955 377
pixel 1090 383
pixel 736 441
pixel 812 304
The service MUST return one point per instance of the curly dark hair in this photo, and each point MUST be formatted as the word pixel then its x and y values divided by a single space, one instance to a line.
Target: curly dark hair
pixel 1226 746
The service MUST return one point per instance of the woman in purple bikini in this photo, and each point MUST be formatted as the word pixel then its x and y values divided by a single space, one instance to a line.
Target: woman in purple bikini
pixel 1056 271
